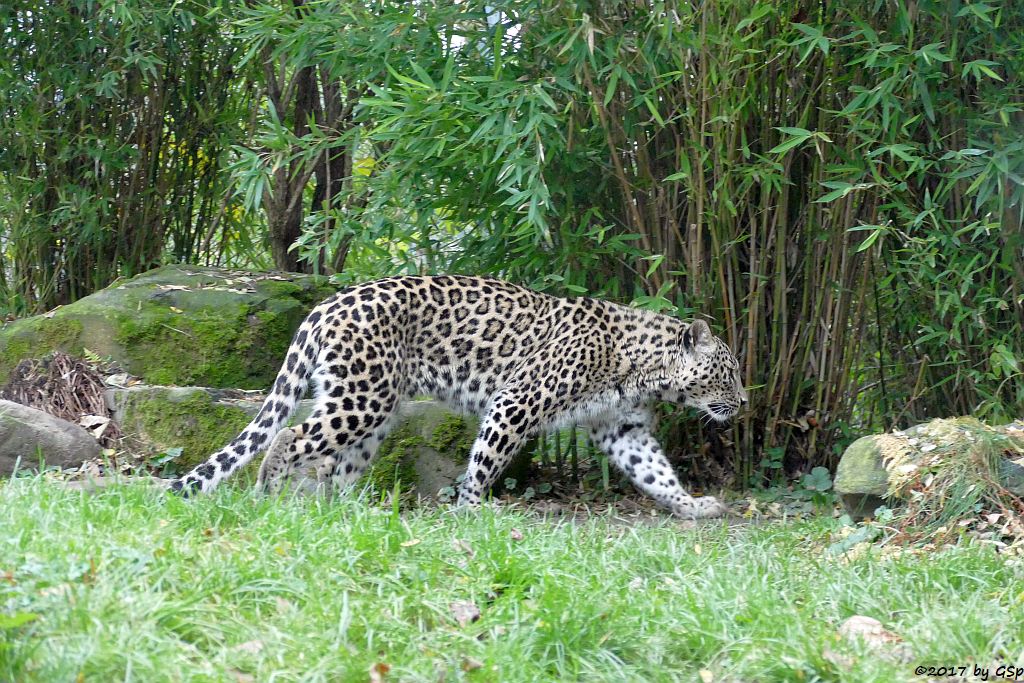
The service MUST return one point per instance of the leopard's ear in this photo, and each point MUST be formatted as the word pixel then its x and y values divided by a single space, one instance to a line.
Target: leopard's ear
pixel 697 334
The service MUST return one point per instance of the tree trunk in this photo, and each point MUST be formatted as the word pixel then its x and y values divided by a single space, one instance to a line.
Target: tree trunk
pixel 284 206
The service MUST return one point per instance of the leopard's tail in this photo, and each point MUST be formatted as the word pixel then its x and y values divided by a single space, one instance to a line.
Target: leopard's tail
pixel 290 385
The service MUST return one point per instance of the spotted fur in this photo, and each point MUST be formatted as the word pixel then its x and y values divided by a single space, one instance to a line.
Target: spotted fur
pixel 522 360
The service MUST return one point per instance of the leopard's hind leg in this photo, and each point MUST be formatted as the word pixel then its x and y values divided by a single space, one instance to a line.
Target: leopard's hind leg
pixel 345 467
pixel 276 470
pixel 327 448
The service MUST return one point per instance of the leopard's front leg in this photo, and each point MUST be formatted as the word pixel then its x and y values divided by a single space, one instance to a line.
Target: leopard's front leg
pixel 630 444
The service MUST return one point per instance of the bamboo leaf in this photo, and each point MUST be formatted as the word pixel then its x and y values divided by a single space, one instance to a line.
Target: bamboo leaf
pixel 654 111
pixel 613 81
pixel 871 239
pixel 788 145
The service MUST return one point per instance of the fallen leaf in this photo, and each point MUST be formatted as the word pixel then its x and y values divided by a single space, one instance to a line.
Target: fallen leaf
pixel 283 605
pixel 250 646
pixel 867 629
pixel 242 677
pixel 697 550
pixel 871 632
pixel 464 547
pixel 706 676
pixel 176 309
pixel 118 380
pixel 60 590
pixel 378 671
pixel 464 611
pixel 94 424
pixel 516 535
pixel 471 664
pixel 410 543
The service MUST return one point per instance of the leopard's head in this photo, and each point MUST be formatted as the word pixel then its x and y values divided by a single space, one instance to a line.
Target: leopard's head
pixel 707 373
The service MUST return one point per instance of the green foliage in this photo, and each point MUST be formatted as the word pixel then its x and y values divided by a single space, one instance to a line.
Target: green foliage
pixel 818 480
pixel 816 485
pixel 839 192
pixel 115 118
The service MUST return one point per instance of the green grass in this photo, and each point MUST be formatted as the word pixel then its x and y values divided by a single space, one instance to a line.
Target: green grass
pixel 129 585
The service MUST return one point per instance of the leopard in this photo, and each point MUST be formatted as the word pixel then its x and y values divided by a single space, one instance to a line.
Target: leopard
pixel 523 361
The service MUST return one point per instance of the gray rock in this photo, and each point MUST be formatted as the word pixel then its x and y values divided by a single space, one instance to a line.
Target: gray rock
pixel 29 436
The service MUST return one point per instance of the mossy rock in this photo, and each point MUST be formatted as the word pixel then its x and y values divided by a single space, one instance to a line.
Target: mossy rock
pixel 872 468
pixel 157 419
pixel 426 452
pixel 184 325
pixel 429 451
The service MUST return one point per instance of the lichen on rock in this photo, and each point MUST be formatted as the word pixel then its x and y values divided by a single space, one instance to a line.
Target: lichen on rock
pixel 960 455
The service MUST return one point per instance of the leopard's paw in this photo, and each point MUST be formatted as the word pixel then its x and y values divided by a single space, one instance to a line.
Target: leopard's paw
pixel 699 508
pixel 709 506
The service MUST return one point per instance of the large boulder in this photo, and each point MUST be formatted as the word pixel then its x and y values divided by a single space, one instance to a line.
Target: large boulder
pixel 874 468
pixel 178 325
pixel 29 437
